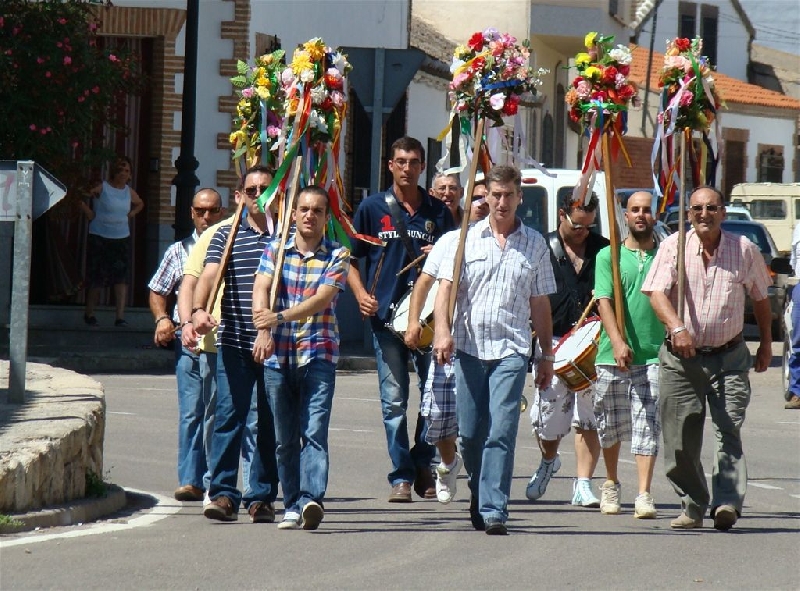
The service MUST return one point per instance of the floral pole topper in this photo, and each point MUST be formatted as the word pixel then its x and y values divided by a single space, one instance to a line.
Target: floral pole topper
pixel 491 76
pixel 599 99
pixel 689 102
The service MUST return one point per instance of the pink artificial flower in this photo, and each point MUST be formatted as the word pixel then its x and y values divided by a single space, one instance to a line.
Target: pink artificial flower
pixel 287 77
pixel 67 60
pixel 459 79
pixel 619 81
pixel 32 127
pixel 113 58
pixel 497 100
pixel 247 93
pixel 584 90
pixel 686 99
pixel 273 131
pixel 337 98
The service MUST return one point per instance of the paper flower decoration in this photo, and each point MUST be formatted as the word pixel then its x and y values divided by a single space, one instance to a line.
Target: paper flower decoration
pixel 690 98
pixel 491 75
pixel 601 87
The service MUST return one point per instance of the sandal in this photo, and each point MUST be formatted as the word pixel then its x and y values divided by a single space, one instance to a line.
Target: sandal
pixel 90 320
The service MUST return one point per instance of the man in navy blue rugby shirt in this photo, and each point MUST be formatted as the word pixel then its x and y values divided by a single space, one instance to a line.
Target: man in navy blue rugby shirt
pixel 425 219
pixel 239 377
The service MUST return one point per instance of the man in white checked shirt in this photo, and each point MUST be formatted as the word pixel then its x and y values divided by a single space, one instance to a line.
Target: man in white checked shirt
pixel 506 277
pixel 705 359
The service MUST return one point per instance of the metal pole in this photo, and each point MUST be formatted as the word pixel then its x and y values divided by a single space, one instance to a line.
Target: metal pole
pixel 649 69
pixel 186 180
pixel 377 123
pixel 21 283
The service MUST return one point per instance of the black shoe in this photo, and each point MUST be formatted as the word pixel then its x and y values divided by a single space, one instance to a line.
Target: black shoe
pixel 495 527
pixel 261 512
pixel 475 516
pixel 120 322
pixel 90 320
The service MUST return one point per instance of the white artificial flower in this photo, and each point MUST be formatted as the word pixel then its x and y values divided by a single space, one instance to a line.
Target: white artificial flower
pixel 314 120
pixel 318 94
pixel 457 63
pixel 621 55
pixel 307 76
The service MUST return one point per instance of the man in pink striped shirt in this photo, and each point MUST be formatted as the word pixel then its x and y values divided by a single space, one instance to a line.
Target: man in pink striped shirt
pixel 704 357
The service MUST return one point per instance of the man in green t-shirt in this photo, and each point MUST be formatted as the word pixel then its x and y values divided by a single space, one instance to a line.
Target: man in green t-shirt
pixel 626 391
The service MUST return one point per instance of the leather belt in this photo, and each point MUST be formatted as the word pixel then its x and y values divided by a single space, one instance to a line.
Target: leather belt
pixel 712 350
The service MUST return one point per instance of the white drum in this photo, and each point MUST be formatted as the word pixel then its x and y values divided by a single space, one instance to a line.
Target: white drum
pixel 575 356
pixel 399 321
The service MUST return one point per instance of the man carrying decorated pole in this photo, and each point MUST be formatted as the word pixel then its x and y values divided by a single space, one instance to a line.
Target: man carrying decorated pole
pixel 409 221
pixel 298 342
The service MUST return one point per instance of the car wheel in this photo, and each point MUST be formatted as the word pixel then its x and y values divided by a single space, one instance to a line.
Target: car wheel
pixel 787 353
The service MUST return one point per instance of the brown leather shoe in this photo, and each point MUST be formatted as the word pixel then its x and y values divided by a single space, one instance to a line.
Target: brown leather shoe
pixel 261 512
pixel 794 403
pixel 683 521
pixel 187 492
pixel 401 493
pixel 221 509
pixel 424 484
pixel 724 517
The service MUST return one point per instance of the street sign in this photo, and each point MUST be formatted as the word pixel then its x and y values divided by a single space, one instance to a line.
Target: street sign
pixel 47 191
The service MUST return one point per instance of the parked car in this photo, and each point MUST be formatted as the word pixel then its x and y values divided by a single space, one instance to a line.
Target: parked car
pixel 776 205
pixel 779 268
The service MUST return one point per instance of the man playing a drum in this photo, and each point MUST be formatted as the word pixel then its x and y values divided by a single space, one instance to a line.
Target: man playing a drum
pixel 409 221
pixel 439 396
pixel 556 408
pixel 504 284
pixel 626 391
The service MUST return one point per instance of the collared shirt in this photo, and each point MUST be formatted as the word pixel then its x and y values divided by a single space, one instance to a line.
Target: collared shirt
pixel 715 295
pixel 168 276
pixel 492 319
pixel 194 266
pixel 794 257
pixel 236 328
pixel 433 261
pixel 316 337
pixel 374 218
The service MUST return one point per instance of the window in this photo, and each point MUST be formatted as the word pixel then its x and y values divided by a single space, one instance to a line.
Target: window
pixel 768 209
pixel 533 209
pixel 687 20
pixel 770 166
pixel 708 31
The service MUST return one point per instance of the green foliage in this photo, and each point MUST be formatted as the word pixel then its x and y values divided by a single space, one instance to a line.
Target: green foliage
pixel 58 85
pixel 8 521
pixel 95 486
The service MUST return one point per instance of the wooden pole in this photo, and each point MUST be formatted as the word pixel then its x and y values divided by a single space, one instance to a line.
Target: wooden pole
pixel 613 234
pixel 286 225
pixel 462 237
pixel 682 224
pixel 226 255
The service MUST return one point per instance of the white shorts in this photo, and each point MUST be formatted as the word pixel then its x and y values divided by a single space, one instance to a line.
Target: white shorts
pixel 557 408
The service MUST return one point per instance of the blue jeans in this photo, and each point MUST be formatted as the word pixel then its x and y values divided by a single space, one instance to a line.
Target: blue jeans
pixel 392 358
pixel 301 398
pixel 191 410
pixel 239 379
pixel 794 360
pixel 487 403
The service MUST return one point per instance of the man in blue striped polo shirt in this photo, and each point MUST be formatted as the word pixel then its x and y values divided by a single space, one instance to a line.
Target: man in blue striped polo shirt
pixel 239 377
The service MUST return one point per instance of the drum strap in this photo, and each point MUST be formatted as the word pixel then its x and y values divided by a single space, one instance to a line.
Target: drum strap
pixel 400 225
pixel 555 246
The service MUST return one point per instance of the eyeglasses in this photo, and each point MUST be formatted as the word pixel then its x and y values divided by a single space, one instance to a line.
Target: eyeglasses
pixel 579 226
pixel 255 190
pixel 708 208
pixel 201 211
pixel 478 201
pixel 402 163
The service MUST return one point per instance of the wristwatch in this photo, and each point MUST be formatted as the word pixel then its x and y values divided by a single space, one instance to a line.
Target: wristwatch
pixel 550 358
pixel 280 316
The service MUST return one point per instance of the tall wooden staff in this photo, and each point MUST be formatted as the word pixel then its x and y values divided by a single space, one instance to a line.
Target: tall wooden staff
pixel 462 237
pixel 286 224
pixel 226 255
pixel 682 224
pixel 613 235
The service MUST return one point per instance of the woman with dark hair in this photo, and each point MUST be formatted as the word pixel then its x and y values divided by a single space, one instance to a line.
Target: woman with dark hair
pixel 108 249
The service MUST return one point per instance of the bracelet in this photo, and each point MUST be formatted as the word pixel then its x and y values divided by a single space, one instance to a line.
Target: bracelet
pixel 198 308
pixel 677 330
pixel 160 318
pixel 550 358
pixel 187 322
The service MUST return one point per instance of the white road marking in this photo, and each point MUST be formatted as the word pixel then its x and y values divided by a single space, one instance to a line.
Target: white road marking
pixel 760 485
pixel 163 508
pixel 358 399
pixel 351 430
pixel 795 496
pixel 118 412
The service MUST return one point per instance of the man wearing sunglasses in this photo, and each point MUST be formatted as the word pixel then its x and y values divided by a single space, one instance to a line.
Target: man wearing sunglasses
pixel 206 210
pixel 704 358
pixel 573 248
pixel 239 376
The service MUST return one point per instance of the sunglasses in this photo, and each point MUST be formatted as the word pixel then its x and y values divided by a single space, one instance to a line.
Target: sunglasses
pixel 479 201
pixel 708 208
pixel 201 211
pixel 255 190
pixel 579 226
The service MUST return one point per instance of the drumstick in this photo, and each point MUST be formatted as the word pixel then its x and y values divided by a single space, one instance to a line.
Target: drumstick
pixel 585 312
pixel 411 264
pixel 378 268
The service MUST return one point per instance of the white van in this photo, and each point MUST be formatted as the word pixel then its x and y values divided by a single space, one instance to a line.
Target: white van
pixel 776 205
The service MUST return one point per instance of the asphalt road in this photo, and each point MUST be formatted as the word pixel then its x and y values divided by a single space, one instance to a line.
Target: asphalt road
pixel 366 543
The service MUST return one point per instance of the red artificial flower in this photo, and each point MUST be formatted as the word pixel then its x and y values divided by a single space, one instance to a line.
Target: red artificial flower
pixel 626 92
pixel 510 108
pixel 624 69
pixel 333 82
pixel 575 114
pixel 578 80
pixel 683 44
pixel 609 75
pixel 327 104
pixel 478 64
pixel 475 42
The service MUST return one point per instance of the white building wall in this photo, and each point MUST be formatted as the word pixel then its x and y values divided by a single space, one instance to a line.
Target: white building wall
pixel 427 110
pixel 732 35
pixel 768 130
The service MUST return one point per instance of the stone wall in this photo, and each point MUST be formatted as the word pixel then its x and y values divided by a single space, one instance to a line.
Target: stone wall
pixel 50 443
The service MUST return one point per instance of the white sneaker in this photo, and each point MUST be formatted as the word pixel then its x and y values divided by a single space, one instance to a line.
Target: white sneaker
pixel 609 498
pixel 446 480
pixel 644 507
pixel 206 499
pixel 312 515
pixel 582 493
pixel 291 520
pixel 541 478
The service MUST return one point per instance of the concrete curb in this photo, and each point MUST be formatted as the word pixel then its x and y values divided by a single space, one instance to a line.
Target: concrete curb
pixel 82 511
